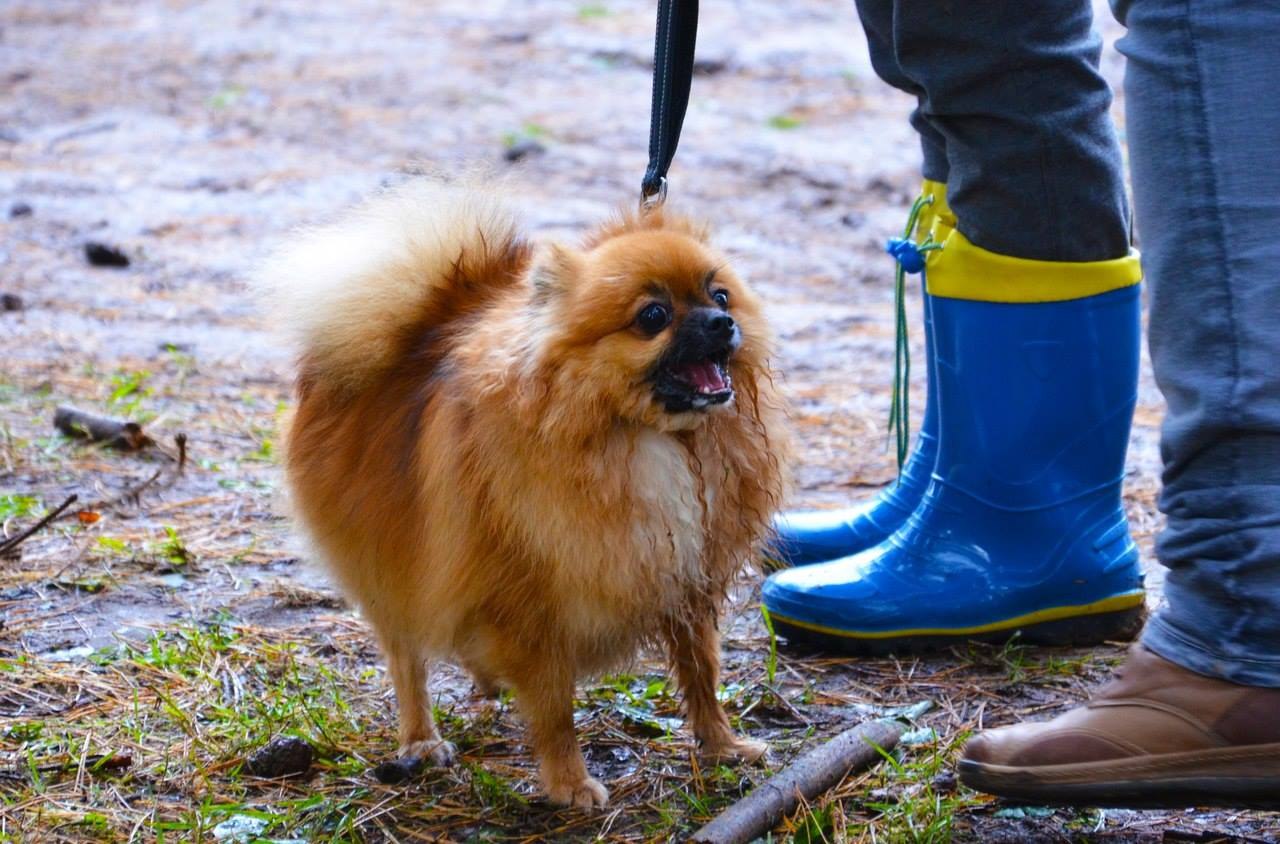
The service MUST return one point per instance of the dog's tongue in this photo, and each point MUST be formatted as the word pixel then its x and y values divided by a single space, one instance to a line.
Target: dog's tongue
pixel 705 376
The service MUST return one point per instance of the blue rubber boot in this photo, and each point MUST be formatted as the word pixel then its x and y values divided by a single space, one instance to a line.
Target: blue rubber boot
pixel 813 537
pixel 802 538
pixel 1021 526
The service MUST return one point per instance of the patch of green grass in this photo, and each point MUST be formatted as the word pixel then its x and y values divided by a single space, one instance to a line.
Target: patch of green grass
pixel 785 122
pixel 167 554
pixel 128 391
pixel 94 823
pixel 771 662
pixel 113 547
pixel 1014 657
pixel 191 703
pixel 184 363
pixel 645 702
pixel 920 814
pixel 527 132
pixel 266 451
pixel 227 97
pixel 173 550
pixel 1023 664
pixel 591 11
pixel 17 506
pixel 492 790
pixel 23 731
pixel 816 826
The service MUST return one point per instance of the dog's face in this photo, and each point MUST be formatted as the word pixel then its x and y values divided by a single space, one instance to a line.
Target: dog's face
pixel 651 325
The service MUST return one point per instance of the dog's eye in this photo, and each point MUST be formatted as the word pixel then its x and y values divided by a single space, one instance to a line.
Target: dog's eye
pixel 653 318
pixel 721 297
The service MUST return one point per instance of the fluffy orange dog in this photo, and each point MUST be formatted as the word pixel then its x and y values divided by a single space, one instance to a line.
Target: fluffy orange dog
pixel 531 461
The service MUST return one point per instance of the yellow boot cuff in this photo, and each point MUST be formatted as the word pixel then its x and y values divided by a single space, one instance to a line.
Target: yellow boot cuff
pixel 937 218
pixel 960 270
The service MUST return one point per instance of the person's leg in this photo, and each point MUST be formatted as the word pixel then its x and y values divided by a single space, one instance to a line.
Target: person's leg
pixel 1014 91
pixel 1035 314
pixel 1203 124
pixel 1192 719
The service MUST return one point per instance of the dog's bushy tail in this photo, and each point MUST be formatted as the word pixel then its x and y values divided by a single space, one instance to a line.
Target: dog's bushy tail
pixel 355 295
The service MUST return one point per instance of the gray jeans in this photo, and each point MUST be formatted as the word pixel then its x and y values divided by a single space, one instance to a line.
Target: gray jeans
pixel 1203 122
pixel 1013 116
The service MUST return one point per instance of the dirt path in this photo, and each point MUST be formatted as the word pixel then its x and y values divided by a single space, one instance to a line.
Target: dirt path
pixel 180 625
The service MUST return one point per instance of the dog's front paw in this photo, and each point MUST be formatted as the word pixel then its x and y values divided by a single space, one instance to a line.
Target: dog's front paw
pixel 438 752
pixel 735 750
pixel 587 793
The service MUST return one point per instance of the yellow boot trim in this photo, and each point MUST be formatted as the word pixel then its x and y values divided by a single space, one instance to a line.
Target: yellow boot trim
pixel 1116 603
pixel 961 270
pixel 937 219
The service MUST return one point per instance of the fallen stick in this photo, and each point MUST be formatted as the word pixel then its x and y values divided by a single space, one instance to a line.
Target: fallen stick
pixel 9 544
pixel 93 763
pixel 807 777
pixel 126 436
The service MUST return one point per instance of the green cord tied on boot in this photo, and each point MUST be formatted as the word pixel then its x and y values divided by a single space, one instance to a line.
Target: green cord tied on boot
pixel 910 258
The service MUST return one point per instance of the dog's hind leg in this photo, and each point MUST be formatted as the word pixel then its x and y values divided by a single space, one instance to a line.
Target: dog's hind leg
pixel 484 682
pixel 544 694
pixel 419 738
pixel 694 645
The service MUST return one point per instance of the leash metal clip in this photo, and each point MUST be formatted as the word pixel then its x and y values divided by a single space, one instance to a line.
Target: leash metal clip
pixel 654 199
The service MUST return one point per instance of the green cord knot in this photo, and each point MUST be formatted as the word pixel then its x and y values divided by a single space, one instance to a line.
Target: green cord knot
pixel 909 257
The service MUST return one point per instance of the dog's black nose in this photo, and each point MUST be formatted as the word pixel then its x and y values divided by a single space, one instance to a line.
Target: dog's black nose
pixel 707 333
pixel 720 325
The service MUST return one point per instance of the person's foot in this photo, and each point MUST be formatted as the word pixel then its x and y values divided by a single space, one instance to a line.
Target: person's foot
pixel 1158 736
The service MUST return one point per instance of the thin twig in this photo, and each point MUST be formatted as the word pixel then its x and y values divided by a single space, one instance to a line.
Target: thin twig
pixel 9 544
pixel 131 495
pixel 181 440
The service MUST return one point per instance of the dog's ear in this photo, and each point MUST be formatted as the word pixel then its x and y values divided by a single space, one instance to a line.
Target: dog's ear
pixel 557 269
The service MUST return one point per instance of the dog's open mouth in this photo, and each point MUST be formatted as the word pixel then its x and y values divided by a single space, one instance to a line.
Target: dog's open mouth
pixel 693 385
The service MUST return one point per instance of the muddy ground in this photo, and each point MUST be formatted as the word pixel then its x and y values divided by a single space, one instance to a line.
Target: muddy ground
pixel 169 625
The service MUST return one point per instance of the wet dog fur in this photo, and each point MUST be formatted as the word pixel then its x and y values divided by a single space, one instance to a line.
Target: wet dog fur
pixel 504 464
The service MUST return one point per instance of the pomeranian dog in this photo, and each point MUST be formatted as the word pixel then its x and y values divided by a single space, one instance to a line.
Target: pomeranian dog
pixel 530 460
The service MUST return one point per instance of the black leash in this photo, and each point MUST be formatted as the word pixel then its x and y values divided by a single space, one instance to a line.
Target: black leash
pixel 672 74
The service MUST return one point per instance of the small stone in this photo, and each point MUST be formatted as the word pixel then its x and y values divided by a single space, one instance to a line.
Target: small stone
pixel 397 770
pixel 944 783
pixel 104 255
pixel 20 209
pixel 11 302
pixel 283 756
pixel 512 37
pixel 523 149
pixel 240 828
pixel 710 67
